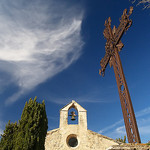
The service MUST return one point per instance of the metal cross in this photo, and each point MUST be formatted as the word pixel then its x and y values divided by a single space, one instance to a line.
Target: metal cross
pixel 112 47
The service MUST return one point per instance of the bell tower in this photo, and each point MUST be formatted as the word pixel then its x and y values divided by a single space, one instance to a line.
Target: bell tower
pixel 75 135
pixel 82 116
pixel 72 134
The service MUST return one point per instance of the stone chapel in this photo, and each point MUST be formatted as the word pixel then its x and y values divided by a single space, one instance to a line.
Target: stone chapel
pixel 76 136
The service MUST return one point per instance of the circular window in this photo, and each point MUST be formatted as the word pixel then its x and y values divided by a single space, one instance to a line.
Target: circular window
pixel 72 141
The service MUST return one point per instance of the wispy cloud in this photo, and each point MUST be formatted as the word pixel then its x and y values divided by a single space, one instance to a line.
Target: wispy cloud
pixel 111 126
pixel 117 129
pixel 143 112
pixel 94 96
pixel 118 132
pixel 78 100
pixel 146 3
pixel 38 39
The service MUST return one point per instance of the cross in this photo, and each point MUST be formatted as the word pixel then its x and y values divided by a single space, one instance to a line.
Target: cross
pixel 113 47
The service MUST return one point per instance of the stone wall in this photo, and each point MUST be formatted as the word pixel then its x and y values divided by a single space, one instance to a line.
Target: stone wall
pixel 87 140
pixel 76 136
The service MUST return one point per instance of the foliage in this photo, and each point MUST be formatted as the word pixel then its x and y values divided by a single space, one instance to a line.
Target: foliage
pixel 7 140
pixel 32 126
pixel 31 130
pixel 148 143
pixel 122 140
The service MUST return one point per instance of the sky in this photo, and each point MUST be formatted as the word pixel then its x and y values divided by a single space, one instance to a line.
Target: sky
pixel 52 49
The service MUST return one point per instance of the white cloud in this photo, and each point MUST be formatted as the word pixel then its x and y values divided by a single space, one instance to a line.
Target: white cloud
pixel 111 126
pixel 77 99
pixel 139 114
pixel 117 130
pixel 37 40
pixel 120 130
pixel 146 3
pixel 144 112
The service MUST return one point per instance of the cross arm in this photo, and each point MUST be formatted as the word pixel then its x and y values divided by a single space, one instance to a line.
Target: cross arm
pixel 113 37
pixel 103 63
pixel 125 24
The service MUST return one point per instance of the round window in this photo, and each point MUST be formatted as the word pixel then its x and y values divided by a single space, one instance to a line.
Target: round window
pixel 72 141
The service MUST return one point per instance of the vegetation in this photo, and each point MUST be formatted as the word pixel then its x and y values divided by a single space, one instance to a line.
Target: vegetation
pixel 148 143
pixel 7 140
pixel 122 140
pixel 30 132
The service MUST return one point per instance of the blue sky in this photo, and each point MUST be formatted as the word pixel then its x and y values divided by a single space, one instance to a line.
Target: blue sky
pixel 52 49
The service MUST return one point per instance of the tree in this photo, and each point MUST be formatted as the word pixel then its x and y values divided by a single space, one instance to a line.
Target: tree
pixel 146 3
pixel 7 140
pixel 30 132
pixel 32 127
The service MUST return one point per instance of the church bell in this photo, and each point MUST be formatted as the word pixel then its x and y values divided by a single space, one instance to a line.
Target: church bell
pixel 73 115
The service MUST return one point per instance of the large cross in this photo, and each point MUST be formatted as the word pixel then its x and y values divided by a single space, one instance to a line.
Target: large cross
pixel 112 47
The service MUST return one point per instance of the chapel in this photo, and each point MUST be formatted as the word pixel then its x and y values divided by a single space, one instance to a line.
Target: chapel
pixel 73 133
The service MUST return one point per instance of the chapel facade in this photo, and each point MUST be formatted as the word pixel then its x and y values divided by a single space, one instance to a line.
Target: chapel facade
pixel 76 136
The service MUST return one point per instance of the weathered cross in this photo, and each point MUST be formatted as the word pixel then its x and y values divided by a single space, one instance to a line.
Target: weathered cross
pixel 112 47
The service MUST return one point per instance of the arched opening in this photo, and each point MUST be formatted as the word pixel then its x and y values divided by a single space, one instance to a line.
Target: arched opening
pixel 72 115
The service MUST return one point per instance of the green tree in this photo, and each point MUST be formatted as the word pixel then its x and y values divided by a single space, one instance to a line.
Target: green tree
pixel 30 132
pixel 32 127
pixel 7 140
